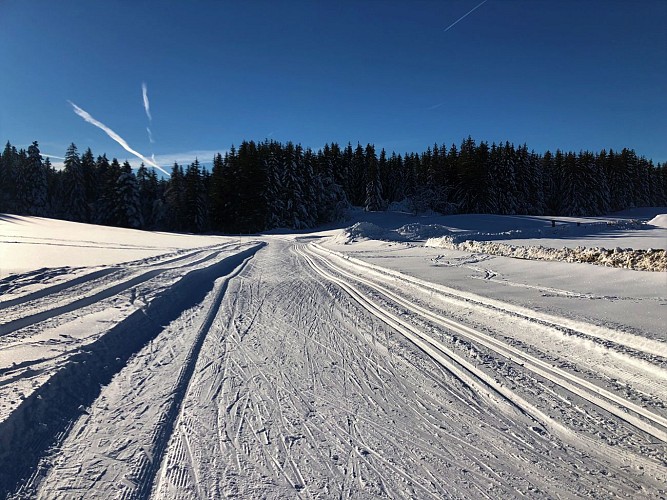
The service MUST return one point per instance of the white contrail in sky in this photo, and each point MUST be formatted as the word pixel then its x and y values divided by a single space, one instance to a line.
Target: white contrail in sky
pixel 464 16
pixel 147 105
pixel 150 135
pixel 86 116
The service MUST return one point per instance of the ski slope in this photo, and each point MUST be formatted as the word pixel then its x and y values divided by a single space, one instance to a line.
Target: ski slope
pixel 306 366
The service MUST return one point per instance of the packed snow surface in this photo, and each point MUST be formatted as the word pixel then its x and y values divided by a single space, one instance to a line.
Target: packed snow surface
pixel 350 362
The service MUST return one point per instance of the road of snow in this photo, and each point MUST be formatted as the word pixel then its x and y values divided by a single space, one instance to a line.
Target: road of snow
pixel 277 367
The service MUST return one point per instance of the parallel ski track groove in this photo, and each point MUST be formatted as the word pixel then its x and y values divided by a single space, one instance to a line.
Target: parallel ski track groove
pixel 182 386
pixel 580 387
pixel 14 325
pixel 48 414
pixel 656 350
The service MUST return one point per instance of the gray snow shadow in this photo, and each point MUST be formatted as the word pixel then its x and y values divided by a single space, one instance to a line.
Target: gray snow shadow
pixel 13 219
pixel 45 417
pixel 55 289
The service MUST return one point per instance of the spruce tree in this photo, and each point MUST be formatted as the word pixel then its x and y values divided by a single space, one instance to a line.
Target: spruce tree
pixel 31 183
pixel 8 178
pixel 373 200
pixel 75 207
pixel 128 209
pixel 195 199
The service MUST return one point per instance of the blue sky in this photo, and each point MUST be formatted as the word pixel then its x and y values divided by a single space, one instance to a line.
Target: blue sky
pixel 582 74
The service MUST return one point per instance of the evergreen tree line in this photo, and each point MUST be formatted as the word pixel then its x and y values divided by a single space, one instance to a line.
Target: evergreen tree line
pixel 266 185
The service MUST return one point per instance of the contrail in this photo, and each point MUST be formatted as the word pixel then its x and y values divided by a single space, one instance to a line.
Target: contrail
pixel 150 135
pixel 147 105
pixel 86 116
pixel 464 16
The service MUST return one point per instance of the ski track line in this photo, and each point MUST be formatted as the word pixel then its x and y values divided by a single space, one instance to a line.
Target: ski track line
pixel 28 320
pixel 57 288
pixel 431 346
pixel 556 375
pixel 46 416
pixel 595 333
pixel 17 324
pixel 152 262
pixel 175 412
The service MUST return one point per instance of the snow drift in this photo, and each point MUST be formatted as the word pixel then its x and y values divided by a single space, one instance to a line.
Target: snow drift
pixel 440 236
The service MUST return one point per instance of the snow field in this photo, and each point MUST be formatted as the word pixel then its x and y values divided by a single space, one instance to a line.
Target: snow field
pixel 277 367
pixel 439 236
pixel 90 358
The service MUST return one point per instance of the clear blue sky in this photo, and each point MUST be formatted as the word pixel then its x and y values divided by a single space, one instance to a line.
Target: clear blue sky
pixel 582 74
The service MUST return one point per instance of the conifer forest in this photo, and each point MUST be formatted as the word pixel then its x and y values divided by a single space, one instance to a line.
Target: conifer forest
pixel 266 185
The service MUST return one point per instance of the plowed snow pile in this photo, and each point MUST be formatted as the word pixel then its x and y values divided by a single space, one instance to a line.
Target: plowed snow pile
pixel 440 236
pixel 659 221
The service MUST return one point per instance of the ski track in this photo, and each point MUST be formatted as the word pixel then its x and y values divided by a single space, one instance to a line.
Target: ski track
pixel 290 371
pixel 622 408
pixel 44 417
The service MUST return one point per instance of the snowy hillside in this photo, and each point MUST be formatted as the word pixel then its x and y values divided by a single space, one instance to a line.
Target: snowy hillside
pixel 392 357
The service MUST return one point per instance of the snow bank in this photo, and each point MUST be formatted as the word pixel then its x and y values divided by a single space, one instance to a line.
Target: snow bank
pixel 487 242
pixel 418 231
pixel 628 258
pixel 409 232
pixel 659 221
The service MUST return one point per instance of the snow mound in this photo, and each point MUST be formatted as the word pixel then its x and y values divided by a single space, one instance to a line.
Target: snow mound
pixel 418 231
pixel 627 258
pixel 408 232
pixel 365 230
pixel 436 235
pixel 659 221
pixel 559 230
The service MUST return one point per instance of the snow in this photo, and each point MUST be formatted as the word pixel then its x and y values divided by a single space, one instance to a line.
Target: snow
pixel 398 356
pixel 30 243
pixel 659 221
pixel 561 239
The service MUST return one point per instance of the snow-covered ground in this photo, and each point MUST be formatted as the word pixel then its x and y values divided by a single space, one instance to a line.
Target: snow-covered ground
pixel 352 362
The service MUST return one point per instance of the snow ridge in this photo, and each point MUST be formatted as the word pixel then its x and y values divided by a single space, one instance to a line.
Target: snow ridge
pixel 487 242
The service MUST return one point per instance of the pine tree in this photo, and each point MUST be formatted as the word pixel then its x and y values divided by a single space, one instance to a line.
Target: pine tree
pixel 195 199
pixel 32 183
pixel 373 201
pixel 75 205
pixel 128 209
